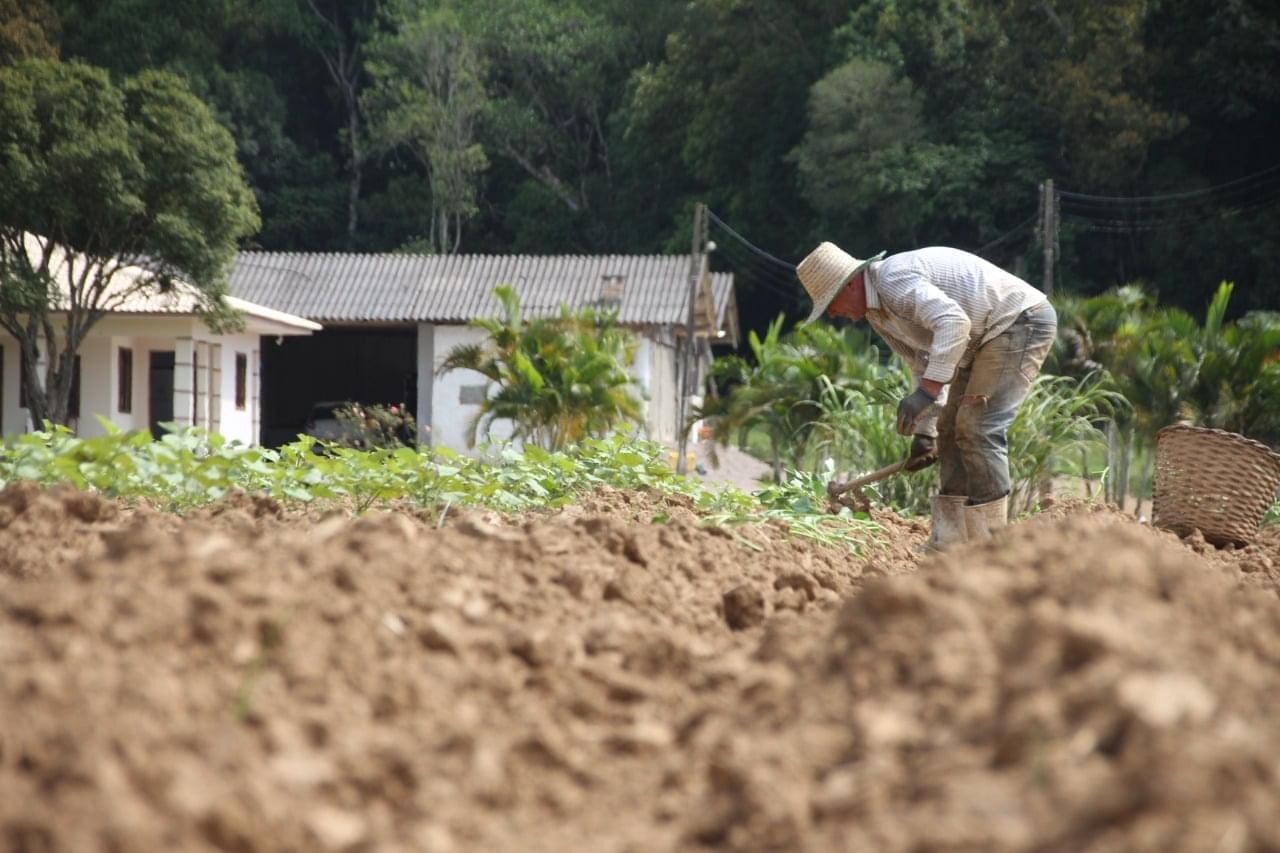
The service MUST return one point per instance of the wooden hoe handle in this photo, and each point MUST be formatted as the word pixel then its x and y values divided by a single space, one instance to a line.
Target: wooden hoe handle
pixel 836 490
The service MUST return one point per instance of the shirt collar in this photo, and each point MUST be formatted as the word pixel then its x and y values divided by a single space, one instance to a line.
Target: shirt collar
pixel 871 282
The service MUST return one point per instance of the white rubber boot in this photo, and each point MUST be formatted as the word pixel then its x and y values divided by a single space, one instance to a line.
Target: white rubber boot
pixel 981 520
pixel 947 526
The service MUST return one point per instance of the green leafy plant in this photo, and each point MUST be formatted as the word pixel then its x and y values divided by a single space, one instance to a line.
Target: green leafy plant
pixel 1057 425
pixel 188 468
pixel 826 400
pixel 556 380
pixel 1171 368
pixel 788 387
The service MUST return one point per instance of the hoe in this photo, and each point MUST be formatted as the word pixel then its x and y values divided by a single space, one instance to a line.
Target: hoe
pixel 850 494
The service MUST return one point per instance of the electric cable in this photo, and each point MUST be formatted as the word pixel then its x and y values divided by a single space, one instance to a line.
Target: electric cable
pixel 754 275
pixel 762 279
pixel 1008 235
pixel 1094 223
pixel 1271 170
pixel 742 256
pixel 787 265
pixel 1245 197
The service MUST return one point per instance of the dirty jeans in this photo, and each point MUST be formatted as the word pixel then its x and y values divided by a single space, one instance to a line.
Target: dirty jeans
pixel 973 448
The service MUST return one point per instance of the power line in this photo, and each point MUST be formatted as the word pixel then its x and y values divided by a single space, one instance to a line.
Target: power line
pixel 732 249
pixel 1247 179
pixel 1112 225
pixel 1244 195
pixel 1008 235
pixel 787 291
pixel 787 265
pixel 753 271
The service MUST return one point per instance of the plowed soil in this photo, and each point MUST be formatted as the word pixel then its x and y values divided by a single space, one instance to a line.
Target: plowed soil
pixel 246 679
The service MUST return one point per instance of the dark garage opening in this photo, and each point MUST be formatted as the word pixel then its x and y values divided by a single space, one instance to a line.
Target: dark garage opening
pixel 362 364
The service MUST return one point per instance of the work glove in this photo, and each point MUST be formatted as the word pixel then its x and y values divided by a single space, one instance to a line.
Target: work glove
pixel 911 408
pixel 924 452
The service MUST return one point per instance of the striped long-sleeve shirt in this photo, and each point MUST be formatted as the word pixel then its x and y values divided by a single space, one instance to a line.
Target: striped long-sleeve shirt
pixel 934 307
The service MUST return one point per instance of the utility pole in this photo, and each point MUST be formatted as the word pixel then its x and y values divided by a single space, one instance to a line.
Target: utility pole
pixel 1049 232
pixel 698 262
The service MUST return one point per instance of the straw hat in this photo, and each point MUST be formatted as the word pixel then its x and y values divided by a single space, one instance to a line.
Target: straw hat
pixel 828 269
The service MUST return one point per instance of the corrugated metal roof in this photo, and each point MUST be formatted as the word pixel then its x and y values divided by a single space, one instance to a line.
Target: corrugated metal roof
pixel 358 288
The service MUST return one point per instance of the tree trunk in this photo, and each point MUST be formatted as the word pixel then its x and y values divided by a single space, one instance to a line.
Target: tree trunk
pixel 351 98
pixel 48 396
pixel 342 61
pixel 353 189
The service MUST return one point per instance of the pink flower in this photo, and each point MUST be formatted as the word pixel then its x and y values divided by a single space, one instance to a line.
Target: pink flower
pixel 394 410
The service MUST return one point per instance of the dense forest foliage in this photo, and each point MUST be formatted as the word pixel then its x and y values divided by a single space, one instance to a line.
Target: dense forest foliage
pixel 551 126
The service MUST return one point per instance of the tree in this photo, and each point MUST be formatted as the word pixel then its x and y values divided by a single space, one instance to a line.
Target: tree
pixel 107 192
pixel 549 69
pixel 867 161
pixel 29 29
pixel 1088 69
pixel 337 31
pixel 253 62
pixel 427 96
pixel 557 380
pixel 727 101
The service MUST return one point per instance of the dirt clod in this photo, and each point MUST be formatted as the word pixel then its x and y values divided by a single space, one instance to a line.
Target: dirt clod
pixel 743 607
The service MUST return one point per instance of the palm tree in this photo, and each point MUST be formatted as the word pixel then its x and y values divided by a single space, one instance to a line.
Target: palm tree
pixel 557 380
pixel 1173 368
pixel 1238 369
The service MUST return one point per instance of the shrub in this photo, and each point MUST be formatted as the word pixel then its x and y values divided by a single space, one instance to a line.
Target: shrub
pixel 376 426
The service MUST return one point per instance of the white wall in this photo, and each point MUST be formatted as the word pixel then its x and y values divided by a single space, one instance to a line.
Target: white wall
pixel 662 391
pixel 450 417
pixel 100 380
pixel 237 423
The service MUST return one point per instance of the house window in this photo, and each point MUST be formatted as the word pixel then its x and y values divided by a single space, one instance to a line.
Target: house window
pixel 242 380
pixel 124 380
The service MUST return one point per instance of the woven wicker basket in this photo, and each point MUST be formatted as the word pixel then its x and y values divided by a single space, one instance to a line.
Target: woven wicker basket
pixel 1217 482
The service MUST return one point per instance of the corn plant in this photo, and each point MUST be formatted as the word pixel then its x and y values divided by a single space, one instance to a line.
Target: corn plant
pixel 1059 423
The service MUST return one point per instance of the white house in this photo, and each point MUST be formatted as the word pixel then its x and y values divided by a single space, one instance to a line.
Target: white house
pixel 391 319
pixel 151 359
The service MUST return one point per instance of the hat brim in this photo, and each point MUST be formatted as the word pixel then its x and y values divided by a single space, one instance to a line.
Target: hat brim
pixel 820 306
